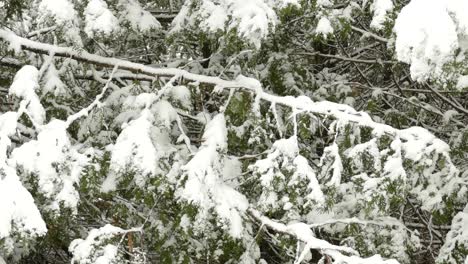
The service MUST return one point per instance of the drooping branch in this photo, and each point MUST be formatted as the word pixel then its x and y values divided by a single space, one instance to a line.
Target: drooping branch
pixel 301 104
pixel 83 56
pixel 299 231
pixel 85 111
pixel 123 75
pixel 302 233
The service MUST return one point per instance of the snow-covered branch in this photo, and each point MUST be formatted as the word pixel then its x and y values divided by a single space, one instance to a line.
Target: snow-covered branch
pixel 302 233
pixel 322 152
pixel 301 104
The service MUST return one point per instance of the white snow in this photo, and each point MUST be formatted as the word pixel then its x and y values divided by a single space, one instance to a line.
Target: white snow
pixel 53 83
pixel 205 172
pixel 204 186
pixel 304 234
pixel 462 82
pixel 93 249
pixel 215 16
pixel 449 114
pixel 164 113
pixel 8 123
pixel 376 259
pixel 182 95
pixel 323 3
pixel 284 155
pixel 456 237
pixel 457 9
pixel 62 10
pixel 305 172
pixel 24 86
pixel 99 19
pixel 285 3
pixel 140 19
pixel 143 100
pixel 332 152
pixel 324 27
pixel 108 255
pixel 19 212
pixel 286 149
pixel 253 19
pixel 393 167
pixel 134 149
pixel 45 156
pixel 369 147
pixel 428 40
pixel 380 8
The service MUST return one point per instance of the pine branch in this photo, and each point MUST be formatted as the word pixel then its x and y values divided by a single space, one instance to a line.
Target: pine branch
pixel 343 113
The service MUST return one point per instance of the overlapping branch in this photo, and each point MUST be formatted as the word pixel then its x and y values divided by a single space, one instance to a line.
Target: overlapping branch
pixel 343 113
pixel 302 233
pixel 300 104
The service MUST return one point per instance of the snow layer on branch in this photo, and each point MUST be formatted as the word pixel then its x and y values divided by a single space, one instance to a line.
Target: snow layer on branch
pixel 18 211
pixel 63 14
pixel 286 149
pixel 423 178
pixel 323 3
pixel 134 148
pixel 393 167
pixel 93 249
pixel 144 140
pixel 343 113
pixel 8 123
pixel 164 113
pixel 456 240
pixel 462 82
pixel 53 84
pixel 56 164
pixel 62 10
pixel 285 3
pixel 214 16
pixel 428 40
pixel 376 259
pixel 140 19
pixel 204 186
pixel 369 147
pixel 182 95
pixel 423 148
pixel 303 233
pixel 324 27
pixel 420 142
pixel 332 158
pixel 282 169
pixel 99 19
pixel 380 9
pixel 24 86
pixel 251 18
pixel 305 173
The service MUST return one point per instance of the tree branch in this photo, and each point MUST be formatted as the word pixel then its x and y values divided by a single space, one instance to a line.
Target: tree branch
pixel 302 233
pixel 344 113
pixel 370 34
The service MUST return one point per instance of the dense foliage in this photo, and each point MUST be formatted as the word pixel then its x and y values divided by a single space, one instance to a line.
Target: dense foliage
pixel 234 131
